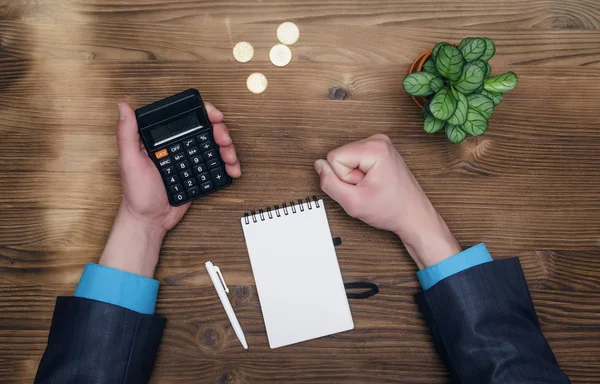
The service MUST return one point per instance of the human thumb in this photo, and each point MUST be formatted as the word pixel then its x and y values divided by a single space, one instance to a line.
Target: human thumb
pixel 128 139
pixel 332 185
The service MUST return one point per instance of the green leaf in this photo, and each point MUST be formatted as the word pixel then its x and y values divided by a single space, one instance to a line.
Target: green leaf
pixel 432 125
pixel 501 83
pixel 481 64
pixel 460 114
pixel 490 49
pixel 464 42
pixel 436 48
pixel 455 133
pixel 418 84
pixel 470 79
pixel 437 84
pixel 485 67
pixel 429 67
pixel 476 124
pixel 495 97
pixel 472 49
pixel 443 104
pixel 482 104
pixel 449 62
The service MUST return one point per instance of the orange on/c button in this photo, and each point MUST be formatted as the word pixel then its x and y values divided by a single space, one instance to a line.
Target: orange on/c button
pixel 162 153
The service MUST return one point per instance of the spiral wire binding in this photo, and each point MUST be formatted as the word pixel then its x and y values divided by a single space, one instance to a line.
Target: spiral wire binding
pixel 294 207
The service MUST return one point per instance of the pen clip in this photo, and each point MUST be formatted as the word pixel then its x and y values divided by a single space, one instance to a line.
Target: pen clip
pixel 218 271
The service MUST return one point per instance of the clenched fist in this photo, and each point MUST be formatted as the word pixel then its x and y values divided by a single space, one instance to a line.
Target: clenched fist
pixel 371 181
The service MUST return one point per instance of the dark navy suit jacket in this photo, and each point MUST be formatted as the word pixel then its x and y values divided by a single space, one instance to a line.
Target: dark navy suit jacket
pixel 482 319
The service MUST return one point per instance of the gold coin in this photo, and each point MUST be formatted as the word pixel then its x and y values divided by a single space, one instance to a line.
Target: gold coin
pixel 243 51
pixel 288 33
pixel 280 55
pixel 256 83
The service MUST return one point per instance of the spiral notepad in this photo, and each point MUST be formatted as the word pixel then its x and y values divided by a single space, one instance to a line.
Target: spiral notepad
pixel 297 274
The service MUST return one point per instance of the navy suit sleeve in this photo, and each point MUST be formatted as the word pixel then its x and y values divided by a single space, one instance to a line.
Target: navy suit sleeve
pixel 485 327
pixel 95 342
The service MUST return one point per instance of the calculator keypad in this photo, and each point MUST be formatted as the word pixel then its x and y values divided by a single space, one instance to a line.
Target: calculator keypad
pixel 191 168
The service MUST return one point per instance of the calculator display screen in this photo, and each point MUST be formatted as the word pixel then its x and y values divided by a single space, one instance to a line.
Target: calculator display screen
pixel 175 128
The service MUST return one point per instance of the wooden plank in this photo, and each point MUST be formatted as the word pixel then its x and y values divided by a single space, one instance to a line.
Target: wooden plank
pixel 319 43
pixel 389 267
pixel 508 14
pixel 225 82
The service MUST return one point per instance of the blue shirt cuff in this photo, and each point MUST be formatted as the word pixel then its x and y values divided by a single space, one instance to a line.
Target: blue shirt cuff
pixel 113 286
pixel 466 259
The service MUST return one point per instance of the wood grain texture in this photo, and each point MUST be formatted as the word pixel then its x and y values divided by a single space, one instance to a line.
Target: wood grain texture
pixel 529 187
pixel 574 14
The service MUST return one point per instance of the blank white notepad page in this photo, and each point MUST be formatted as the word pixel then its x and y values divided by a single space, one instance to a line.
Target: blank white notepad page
pixel 297 275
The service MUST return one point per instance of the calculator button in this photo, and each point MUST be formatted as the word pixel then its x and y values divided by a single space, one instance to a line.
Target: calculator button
pixel 176 188
pixel 206 186
pixel 180 196
pixel 198 169
pixel 203 178
pixel 193 151
pixel 164 162
pixel 218 176
pixel 196 160
pixel 203 137
pixel 189 183
pixel 183 165
pixel 206 146
pixel 179 156
pixel 186 174
pixel 175 148
pixel 172 179
pixel 162 153
pixel 189 143
pixel 213 164
pixel 194 191
pixel 210 155
pixel 168 171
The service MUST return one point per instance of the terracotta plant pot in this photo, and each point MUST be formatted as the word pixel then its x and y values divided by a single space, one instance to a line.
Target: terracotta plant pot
pixel 417 66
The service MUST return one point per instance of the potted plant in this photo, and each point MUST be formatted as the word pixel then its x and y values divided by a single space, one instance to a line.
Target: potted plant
pixel 454 87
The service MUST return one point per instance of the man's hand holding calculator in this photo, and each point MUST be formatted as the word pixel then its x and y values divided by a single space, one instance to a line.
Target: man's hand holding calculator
pixel 145 214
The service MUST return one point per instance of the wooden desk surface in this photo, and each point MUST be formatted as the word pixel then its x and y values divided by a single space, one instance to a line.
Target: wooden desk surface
pixel 530 187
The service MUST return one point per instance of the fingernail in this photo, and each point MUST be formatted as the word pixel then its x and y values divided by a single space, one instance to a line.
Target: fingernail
pixel 121 111
pixel 319 167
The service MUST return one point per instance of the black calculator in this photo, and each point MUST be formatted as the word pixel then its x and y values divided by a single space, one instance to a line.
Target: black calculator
pixel 178 137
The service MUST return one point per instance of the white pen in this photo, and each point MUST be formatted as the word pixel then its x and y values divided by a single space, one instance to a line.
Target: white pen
pixel 219 282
